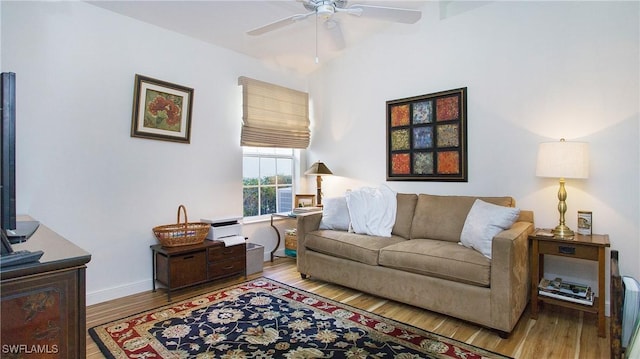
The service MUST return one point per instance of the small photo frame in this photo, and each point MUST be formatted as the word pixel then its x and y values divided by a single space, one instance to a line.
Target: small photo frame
pixel 585 222
pixel 305 200
pixel 161 110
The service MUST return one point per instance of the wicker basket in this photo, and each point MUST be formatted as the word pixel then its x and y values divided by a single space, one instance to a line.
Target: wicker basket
pixel 290 243
pixel 181 234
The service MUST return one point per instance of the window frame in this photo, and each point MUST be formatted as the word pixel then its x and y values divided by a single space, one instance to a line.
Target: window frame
pixel 264 152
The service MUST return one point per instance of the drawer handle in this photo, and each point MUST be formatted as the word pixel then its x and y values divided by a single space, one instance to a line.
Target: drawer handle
pixel 567 250
pixel 228 267
pixel 187 257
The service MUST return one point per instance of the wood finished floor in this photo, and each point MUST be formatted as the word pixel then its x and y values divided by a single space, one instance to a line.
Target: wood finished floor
pixel 557 333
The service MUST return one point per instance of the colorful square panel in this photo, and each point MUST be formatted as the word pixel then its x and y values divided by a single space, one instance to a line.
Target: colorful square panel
pixel 448 136
pixel 423 163
pixel 448 162
pixel 447 108
pixel 399 115
pixel 400 164
pixel 400 139
pixel 423 112
pixel 422 137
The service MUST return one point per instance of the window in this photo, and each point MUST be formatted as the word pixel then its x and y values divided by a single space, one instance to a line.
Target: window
pixel 267 180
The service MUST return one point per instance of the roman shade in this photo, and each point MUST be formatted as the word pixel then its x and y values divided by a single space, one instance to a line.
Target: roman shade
pixel 273 116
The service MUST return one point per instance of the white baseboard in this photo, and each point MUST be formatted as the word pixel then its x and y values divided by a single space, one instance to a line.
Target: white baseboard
pixel 104 295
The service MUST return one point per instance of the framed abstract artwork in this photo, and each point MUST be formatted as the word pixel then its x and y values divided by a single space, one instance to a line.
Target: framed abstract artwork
pixel 161 110
pixel 427 137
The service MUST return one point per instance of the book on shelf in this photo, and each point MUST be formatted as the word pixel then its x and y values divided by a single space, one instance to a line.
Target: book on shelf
pixel 569 298
pixel 543 232
pixel 565 290
pixel 560 286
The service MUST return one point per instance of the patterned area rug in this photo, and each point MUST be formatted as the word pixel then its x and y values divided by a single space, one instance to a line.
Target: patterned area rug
pixel 267 319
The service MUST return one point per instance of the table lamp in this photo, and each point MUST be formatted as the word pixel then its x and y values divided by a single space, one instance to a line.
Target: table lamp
pixel 319 169
pixel 563 159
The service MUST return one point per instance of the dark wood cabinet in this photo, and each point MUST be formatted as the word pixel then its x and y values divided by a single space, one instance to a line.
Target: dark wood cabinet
pixel 43 303
pixel 226 260
pixel 181 270
pixel 185 266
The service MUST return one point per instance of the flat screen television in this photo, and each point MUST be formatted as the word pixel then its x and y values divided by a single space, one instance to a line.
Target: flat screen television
pixel 15 230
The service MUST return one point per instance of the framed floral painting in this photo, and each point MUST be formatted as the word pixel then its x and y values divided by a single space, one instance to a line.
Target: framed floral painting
pixel 161 110
pixel 427 137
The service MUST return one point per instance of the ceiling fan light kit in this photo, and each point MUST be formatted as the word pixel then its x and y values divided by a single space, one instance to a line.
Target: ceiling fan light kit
pixel 325 10
pixel 313 5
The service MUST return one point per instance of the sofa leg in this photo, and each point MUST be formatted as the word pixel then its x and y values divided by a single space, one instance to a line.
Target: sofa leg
pixel 303 276
pixel 503 335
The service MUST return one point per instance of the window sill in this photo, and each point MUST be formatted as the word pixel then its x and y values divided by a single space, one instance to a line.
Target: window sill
pixel 255 220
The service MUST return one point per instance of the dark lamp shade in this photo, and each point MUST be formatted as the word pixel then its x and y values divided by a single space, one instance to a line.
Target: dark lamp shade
pixel 318 169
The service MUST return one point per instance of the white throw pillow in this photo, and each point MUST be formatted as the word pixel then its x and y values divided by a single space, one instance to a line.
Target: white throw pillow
pixel 483 222
pixel 335 214
pixel 372 210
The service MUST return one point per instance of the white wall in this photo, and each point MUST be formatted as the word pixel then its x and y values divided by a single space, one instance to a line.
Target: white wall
pixel 535 72
pixel 80 172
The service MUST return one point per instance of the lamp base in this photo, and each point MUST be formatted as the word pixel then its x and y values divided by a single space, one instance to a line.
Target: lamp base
pixel 562 231
pixel 319 190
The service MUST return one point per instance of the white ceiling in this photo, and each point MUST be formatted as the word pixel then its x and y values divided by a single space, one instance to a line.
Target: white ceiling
pixel 225 23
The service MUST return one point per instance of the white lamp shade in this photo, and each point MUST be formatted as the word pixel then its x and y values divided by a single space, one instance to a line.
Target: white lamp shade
pixel 563 159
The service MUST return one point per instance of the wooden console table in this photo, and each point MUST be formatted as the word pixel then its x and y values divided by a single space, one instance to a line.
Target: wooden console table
pixel 185 266
pixel 44 303
pixel 580 246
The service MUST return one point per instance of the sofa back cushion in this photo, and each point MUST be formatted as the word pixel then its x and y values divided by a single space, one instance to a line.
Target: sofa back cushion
pixel 404 214
pixel 442 217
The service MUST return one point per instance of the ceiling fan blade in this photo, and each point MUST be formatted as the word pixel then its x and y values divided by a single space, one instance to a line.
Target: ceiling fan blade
pixel 335 31
pixel 406 16
pixel 278 24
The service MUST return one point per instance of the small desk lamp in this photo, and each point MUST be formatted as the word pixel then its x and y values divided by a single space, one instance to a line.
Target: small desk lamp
pixel 319 169
pixel 562 160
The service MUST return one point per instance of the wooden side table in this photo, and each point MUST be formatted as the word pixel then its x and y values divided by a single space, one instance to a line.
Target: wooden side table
pixel 580 246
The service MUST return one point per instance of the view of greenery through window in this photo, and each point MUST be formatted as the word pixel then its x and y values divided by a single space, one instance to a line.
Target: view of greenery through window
pixel 267 180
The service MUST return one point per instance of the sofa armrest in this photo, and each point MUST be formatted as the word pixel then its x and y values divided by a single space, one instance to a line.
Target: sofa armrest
pixel 510 274
pixel 306 223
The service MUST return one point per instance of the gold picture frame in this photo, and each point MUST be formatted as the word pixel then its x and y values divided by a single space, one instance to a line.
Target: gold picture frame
pixel 161 110
pixel 305 200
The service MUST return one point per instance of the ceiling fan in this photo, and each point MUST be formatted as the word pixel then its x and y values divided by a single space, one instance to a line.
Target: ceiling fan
pixel 325 10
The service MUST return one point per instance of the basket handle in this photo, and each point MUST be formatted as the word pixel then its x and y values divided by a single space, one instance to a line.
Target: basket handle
pixel 181 207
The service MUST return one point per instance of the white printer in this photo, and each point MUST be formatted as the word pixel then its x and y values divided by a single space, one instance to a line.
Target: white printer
pixel 227 230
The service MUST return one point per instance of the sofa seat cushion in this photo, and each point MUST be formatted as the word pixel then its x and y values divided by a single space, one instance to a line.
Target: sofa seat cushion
pixel 356 247
pixel 442 259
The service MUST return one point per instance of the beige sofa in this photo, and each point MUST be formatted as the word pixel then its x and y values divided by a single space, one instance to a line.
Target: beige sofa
pixel 423 264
